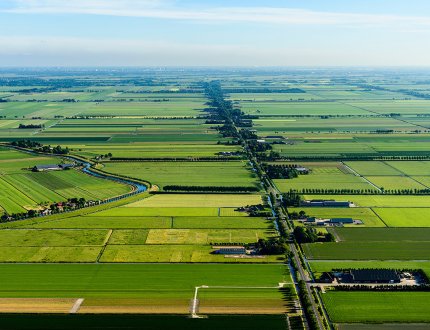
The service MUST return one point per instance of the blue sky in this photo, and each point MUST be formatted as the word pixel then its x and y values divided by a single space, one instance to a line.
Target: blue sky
pixel 214 33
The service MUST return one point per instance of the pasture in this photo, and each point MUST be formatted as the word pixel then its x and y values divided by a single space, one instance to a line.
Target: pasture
pixel 365 250
pixel 226 174
pixel 405 216
pixel 380 307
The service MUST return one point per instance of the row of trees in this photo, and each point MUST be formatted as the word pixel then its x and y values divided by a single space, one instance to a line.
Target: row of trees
pixel 210 188
pixel 347 191
pixel 38 147
pixel 22 126
pixel 181 159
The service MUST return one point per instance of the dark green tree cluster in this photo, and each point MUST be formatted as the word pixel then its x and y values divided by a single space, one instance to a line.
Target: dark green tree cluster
pixel 30 126
pixel 291 199
pixel 38 147
pixel 310 235
pixel 272 246
pixel 283 171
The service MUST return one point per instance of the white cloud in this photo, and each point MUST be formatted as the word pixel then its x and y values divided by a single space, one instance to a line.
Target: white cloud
pixel 166 9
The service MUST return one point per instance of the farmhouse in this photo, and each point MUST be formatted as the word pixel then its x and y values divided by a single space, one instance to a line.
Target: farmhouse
pixel 43 168
pixel 302 170
pixel 52 167
pixel 66 166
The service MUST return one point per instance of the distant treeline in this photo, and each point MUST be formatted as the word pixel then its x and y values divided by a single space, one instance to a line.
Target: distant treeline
pixel 210 188
pixel 264 90
pixel 355 157
pixel 318 191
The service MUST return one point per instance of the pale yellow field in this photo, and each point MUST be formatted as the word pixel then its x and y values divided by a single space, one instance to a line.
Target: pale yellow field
pixel 36 305
pixel 198 200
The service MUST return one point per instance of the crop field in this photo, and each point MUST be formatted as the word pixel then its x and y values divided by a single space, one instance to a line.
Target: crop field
pixel 373 244
pixel 175 254
pixel 407 307
pixel 198 200
pixel 153 150
pixel 382 234
pixel 405 217
pixel 324 176
pixel 228 174
pixel 299 108
pixel 285 126
pixel 376 250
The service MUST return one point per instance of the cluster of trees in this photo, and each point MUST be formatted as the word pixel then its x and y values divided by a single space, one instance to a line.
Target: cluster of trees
pixel 272 246
pixel 291 199
pixel 27 144
pixel 22 126
pixel 38 147
pixel 310 235
pixel 259 147
pixel 108 155
pixel 283 171
pixel 210 188
pixel 300 215
pixel 258 210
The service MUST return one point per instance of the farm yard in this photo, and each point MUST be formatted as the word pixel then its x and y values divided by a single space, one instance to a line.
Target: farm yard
pixel 22 189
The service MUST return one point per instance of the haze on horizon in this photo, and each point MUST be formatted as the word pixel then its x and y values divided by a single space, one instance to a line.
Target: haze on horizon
pixel 214 33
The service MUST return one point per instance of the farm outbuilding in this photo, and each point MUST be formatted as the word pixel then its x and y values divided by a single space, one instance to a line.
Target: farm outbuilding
pixel 231 250
pixel 326 203
pixel 369 276
pixel 341 221
pixel 42 168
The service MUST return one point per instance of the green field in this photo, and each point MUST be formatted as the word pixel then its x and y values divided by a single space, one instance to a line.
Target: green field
pixel 130 281
pixel 380 307
pixel 405 217
pixel 227 174
pixel 376 250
